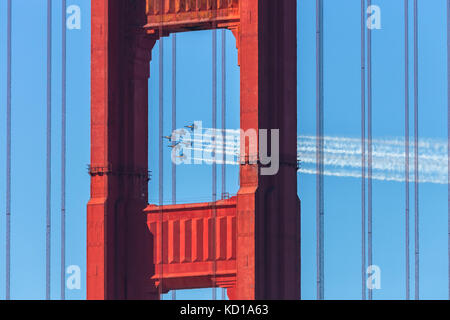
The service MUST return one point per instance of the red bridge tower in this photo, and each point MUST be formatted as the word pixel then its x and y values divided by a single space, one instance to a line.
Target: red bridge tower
pixel 257 233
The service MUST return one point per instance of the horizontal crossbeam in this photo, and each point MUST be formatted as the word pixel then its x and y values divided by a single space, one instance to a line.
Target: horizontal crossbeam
pixel 189 15
pixel 187 253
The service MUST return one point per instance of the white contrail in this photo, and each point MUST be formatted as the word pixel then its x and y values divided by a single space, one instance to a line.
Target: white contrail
pixel 396 177
pixel 342 156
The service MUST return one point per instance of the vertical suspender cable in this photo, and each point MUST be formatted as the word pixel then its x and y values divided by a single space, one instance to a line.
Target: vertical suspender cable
pixel 49 145
pixel 416 147
pixel 8 153
pixel 174 111
pixel 363 150
pixel 369 147
pixel 407 150
pixel 214 164
pixel 448 138
pixel 161 131
pixel 319 151
pixel 174 123
pixel 63 152
pixel 224 109
pixel 214 5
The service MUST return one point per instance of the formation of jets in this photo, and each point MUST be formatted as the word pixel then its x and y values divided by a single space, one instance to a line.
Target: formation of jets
pixel 192 127
pixel 174 144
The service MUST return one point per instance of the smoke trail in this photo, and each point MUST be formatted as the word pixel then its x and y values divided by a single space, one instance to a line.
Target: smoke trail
pixel 342 156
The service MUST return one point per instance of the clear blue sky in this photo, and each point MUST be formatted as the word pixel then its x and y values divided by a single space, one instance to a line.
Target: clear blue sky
pixel 342 119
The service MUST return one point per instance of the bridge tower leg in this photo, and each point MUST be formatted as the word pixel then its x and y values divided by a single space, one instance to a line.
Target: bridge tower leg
pixel 268 208
pixel 119 243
